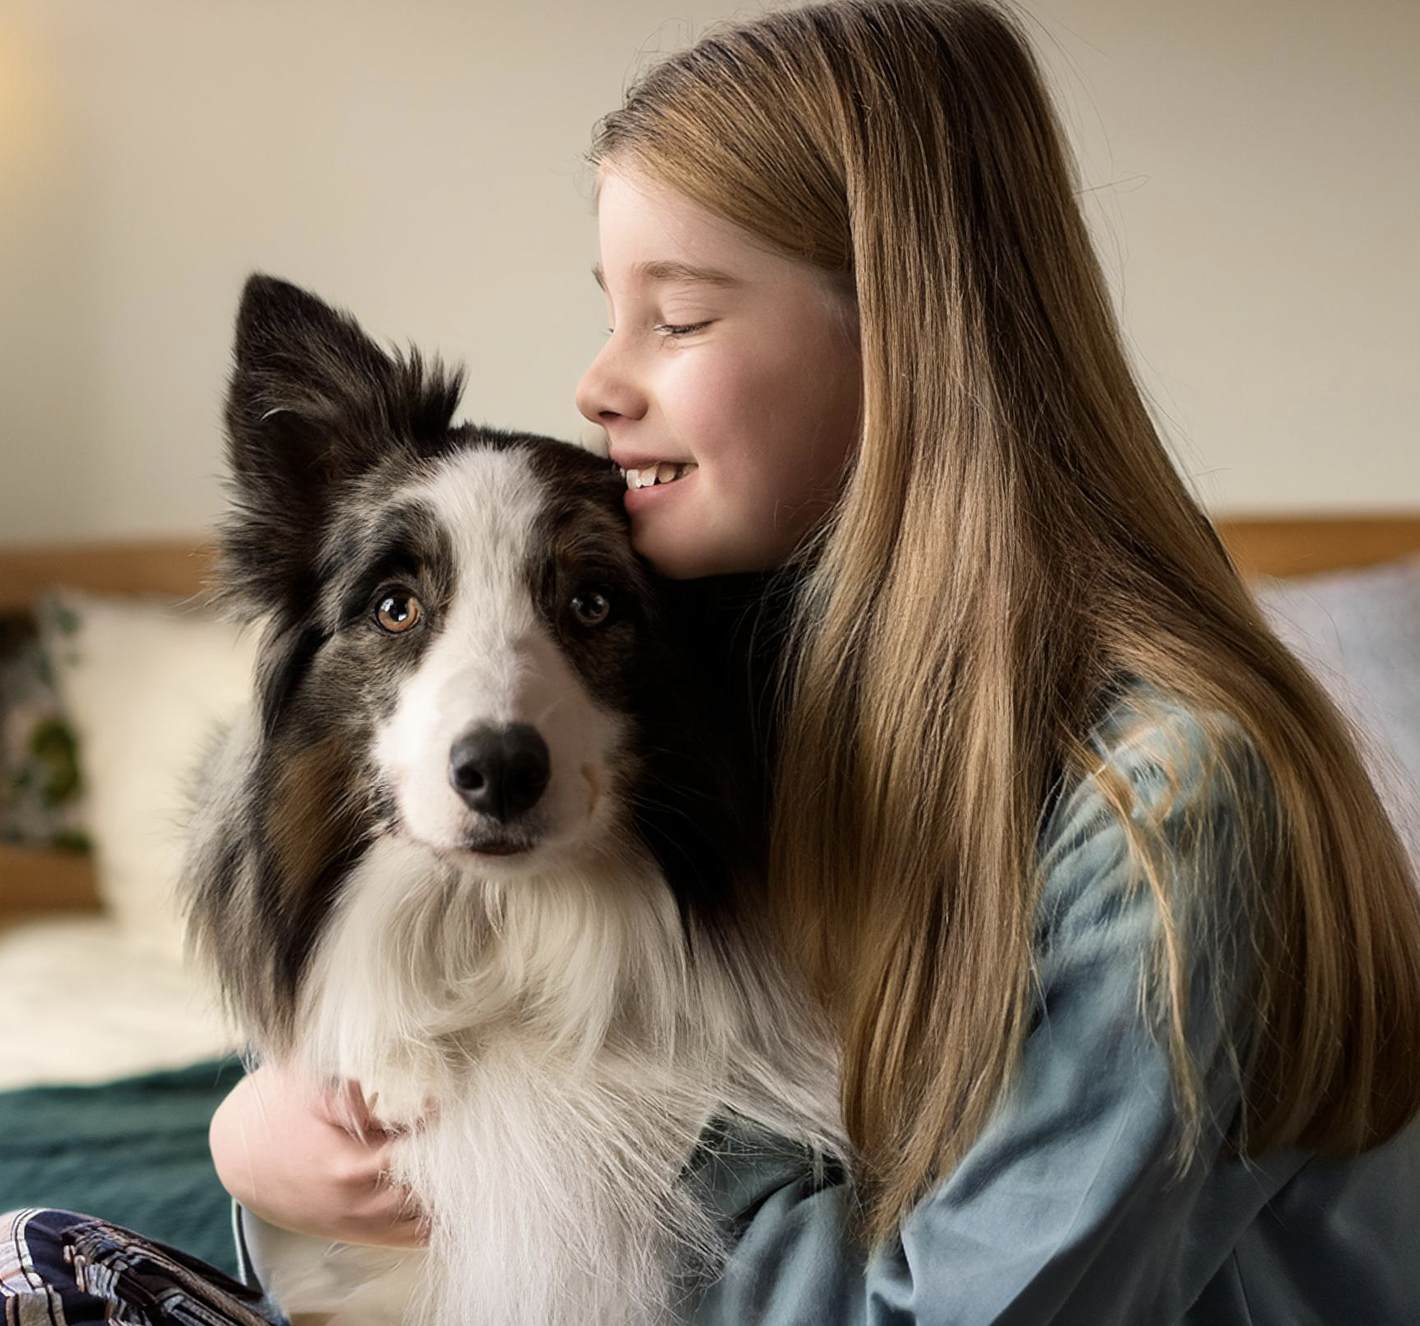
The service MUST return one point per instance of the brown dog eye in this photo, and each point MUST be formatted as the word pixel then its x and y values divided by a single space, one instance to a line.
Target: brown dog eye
pixel 398 612
pixel 591 607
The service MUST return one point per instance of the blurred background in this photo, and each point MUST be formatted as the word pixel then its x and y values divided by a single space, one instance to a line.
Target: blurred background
pixel 1248 173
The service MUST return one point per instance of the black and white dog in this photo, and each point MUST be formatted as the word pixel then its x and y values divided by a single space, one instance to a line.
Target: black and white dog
pixel 487 843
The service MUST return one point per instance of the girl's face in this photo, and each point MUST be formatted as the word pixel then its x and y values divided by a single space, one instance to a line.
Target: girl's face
pixel 726 358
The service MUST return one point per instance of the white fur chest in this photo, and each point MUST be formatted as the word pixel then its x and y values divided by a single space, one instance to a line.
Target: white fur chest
pixel 556 1060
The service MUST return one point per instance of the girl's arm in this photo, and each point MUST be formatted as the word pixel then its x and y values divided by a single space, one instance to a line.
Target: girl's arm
pixel 283 1150
pixel 1063 1210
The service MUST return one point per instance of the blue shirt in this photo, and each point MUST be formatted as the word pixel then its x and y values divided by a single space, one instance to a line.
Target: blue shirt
pixel 1064 1209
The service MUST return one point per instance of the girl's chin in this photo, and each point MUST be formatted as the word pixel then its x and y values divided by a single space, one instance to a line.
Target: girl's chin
pixel 661 528
pixel 670 530
pixel 680 555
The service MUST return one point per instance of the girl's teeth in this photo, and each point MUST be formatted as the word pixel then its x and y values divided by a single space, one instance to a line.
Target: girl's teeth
pixel 662 472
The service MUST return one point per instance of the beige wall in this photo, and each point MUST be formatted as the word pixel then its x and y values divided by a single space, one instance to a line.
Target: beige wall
pixel 1250 175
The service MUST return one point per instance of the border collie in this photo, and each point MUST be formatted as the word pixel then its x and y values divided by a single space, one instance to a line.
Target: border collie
pixel 488 843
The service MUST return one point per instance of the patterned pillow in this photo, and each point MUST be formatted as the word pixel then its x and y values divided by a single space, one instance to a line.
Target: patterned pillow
pixel 145 683
pixel 1359 632
pixel 41 792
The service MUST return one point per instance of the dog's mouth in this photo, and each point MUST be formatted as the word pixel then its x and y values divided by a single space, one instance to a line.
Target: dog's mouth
pixel 496 846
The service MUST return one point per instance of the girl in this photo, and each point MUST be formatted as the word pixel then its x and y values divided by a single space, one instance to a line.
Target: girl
pixel 1123 954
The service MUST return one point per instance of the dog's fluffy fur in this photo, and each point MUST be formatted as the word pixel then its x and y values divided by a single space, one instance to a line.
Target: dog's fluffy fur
pixel 562 1019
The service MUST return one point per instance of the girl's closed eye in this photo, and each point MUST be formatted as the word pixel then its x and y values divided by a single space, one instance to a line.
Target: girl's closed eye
pixel 672 328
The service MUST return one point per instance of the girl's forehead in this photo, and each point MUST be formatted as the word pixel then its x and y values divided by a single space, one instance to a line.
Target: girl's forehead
pixel 629 198
pixel 651 233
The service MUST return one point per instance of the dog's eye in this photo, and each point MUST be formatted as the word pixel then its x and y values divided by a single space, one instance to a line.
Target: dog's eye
pixel 397 612
pixel 591 607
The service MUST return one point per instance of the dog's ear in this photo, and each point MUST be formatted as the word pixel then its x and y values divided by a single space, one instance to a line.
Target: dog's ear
pixel 312 403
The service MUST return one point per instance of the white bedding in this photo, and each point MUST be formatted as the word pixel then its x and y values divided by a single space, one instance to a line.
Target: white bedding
pixel 87 1003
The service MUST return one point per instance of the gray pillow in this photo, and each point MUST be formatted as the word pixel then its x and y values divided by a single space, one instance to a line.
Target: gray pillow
pixel 1359 633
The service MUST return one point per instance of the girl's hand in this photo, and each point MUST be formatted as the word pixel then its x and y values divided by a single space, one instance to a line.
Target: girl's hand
pixel 313 1161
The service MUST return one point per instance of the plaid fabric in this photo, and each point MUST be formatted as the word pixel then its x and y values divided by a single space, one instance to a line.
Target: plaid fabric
pixel 58 1268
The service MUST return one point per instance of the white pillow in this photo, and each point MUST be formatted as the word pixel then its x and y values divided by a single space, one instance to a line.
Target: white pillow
pixel 1359 633
pixel 145 682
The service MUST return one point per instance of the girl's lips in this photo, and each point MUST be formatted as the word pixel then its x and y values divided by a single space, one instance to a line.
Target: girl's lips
pixel 638 499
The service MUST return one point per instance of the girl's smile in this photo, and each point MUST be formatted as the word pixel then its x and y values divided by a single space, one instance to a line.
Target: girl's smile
pixel 655 496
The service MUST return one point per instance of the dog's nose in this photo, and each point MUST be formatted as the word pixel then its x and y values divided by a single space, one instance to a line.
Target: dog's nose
pixel 500 771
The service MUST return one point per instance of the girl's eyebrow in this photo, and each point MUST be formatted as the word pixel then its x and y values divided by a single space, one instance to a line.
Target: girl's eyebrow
pixel 667 270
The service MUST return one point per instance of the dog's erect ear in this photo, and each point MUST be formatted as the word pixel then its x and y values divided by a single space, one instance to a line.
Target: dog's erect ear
pixel 313 402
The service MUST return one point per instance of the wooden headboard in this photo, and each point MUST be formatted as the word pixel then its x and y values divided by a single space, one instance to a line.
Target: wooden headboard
pixel 33 879
pixel 1298 545
pixel 179 567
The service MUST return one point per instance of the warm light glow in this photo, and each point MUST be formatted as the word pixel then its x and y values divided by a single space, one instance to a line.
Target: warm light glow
pixel 21 99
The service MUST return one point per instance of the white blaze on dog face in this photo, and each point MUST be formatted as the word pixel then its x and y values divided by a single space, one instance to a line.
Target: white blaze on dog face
pixel 495 664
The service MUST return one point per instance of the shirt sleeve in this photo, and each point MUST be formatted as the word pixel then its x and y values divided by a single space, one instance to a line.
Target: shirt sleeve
pixel 1066 1208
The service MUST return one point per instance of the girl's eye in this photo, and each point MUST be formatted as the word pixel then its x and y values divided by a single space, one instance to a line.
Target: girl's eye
pixel 591 607
pixel 671 328
pixel 397 612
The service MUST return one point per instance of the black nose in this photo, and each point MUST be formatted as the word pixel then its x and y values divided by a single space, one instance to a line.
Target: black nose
pixel 500 771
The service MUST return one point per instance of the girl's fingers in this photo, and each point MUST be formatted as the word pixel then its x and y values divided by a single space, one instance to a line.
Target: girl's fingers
pixel 343 1105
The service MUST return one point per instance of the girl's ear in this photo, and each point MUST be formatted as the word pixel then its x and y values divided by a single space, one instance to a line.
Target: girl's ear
pixel 312 403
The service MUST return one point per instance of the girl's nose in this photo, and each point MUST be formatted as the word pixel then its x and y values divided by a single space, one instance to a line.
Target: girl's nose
pixel 607 391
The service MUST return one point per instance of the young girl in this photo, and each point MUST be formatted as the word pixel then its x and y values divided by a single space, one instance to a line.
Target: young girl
pixel 1123 954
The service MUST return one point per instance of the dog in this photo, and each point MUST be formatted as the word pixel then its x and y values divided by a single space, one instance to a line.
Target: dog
pixel 489 842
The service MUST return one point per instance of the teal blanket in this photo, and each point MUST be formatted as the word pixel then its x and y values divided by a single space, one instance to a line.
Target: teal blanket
pixel 133 1152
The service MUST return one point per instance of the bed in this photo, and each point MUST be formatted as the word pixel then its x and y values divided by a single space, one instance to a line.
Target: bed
pixel 115 1064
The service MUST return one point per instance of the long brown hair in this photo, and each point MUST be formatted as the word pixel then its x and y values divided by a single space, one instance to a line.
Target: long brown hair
pixel 1011 539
